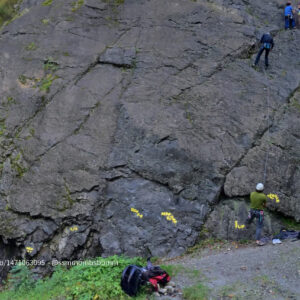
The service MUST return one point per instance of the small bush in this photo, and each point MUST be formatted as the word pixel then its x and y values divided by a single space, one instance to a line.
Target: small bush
pixel 7 10
pixel 47 2
pixel 21 278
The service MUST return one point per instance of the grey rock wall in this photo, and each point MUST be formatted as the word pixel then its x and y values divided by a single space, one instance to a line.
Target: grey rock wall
pixel 150 105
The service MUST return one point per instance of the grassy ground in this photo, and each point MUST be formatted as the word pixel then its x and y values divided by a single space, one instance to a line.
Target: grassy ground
pixel 96 279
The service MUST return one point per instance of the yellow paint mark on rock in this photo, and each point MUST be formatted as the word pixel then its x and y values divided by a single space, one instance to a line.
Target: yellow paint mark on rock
pixel 136 212
pixel 169 217
pixel 237 226
pixel 274 197
pixel 74 228
pixel 29 249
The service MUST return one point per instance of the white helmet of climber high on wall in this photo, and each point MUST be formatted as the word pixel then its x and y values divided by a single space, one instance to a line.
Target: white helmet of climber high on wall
pixel 259 187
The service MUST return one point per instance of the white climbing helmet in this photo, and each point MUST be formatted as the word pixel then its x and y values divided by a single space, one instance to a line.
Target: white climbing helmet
pixel 260 187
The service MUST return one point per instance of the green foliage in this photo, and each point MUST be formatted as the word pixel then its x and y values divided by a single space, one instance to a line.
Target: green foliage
pixel 45 21
pixel 50 65
pixel 7 10
pixel 21 278
pixel 295 103
pixel 96 279
pixel 47 2
pixel 290 223
pixel 77 4
pixel 23 79
pixel 173 270
pixel 2 127
pixel 115 2
pixel 31 47
pixel 17 165
pixel 10 100
pixel 196 292
pixel 211 243
pixel 47 82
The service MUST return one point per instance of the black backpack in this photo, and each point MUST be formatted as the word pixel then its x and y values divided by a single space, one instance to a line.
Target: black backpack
pixel 132 279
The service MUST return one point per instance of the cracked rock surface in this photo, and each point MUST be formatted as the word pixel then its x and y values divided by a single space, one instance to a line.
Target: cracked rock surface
pixel 151 105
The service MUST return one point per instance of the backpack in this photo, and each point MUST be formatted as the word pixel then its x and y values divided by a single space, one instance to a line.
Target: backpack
pixel 131 280
pixel 133 277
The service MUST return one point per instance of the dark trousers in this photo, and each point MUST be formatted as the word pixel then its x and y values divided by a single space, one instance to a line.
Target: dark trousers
pixel 261 50
pixel 289 23
pixel 259 215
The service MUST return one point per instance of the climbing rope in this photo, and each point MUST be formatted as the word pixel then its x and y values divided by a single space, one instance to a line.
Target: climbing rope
pixel 268 130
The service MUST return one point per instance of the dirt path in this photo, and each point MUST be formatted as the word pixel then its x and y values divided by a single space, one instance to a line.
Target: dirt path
pixel 249 272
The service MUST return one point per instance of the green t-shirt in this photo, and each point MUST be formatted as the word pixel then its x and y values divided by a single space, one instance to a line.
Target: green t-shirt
pixel 257 200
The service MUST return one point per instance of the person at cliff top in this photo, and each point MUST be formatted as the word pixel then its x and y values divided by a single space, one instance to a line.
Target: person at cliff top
pixel 288 16
pixel 258 202
pixel 267 44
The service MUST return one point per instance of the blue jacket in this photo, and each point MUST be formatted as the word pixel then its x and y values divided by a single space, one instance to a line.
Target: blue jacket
pixel 288 10
pixel 266 38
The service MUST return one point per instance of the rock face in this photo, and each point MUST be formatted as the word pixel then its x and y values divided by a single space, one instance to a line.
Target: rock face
pixel 114 113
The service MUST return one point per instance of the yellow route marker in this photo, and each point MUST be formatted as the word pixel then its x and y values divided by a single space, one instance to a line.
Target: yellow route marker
pixel 274 197
pixel 169 217
pixel 136 212
pixel 29 249
pixel 74 228
pixel 237 226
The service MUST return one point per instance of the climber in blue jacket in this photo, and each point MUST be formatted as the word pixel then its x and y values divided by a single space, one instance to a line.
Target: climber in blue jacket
pixel 289 16
pixel 267 44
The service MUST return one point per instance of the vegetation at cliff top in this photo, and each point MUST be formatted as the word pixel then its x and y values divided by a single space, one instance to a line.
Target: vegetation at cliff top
pixel 7 10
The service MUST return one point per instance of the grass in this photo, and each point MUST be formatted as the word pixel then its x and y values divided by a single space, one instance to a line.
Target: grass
pixel 77 4
pixel 17 165
pixel 115 2
pixel 211 243
pixel 45 21
pixel 173 270
pixel 7 10
pixel 295 103
pixel 22 78
pixel 230 291
pixel 290 223
pixel 47 2
pixel 31 47
pixel 2 127
pixel 47 82
pixel 96 279
pixel 196 292
pixel 50 65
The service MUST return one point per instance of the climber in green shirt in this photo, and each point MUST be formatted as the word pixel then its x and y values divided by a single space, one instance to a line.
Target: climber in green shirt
pixel 258 201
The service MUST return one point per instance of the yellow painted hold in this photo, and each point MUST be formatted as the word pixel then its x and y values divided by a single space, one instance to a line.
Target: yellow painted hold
pixel 237 226
pixel 74 228
pixel 136 212
pixel 274 197
pixel 169 217
pixel 29 249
